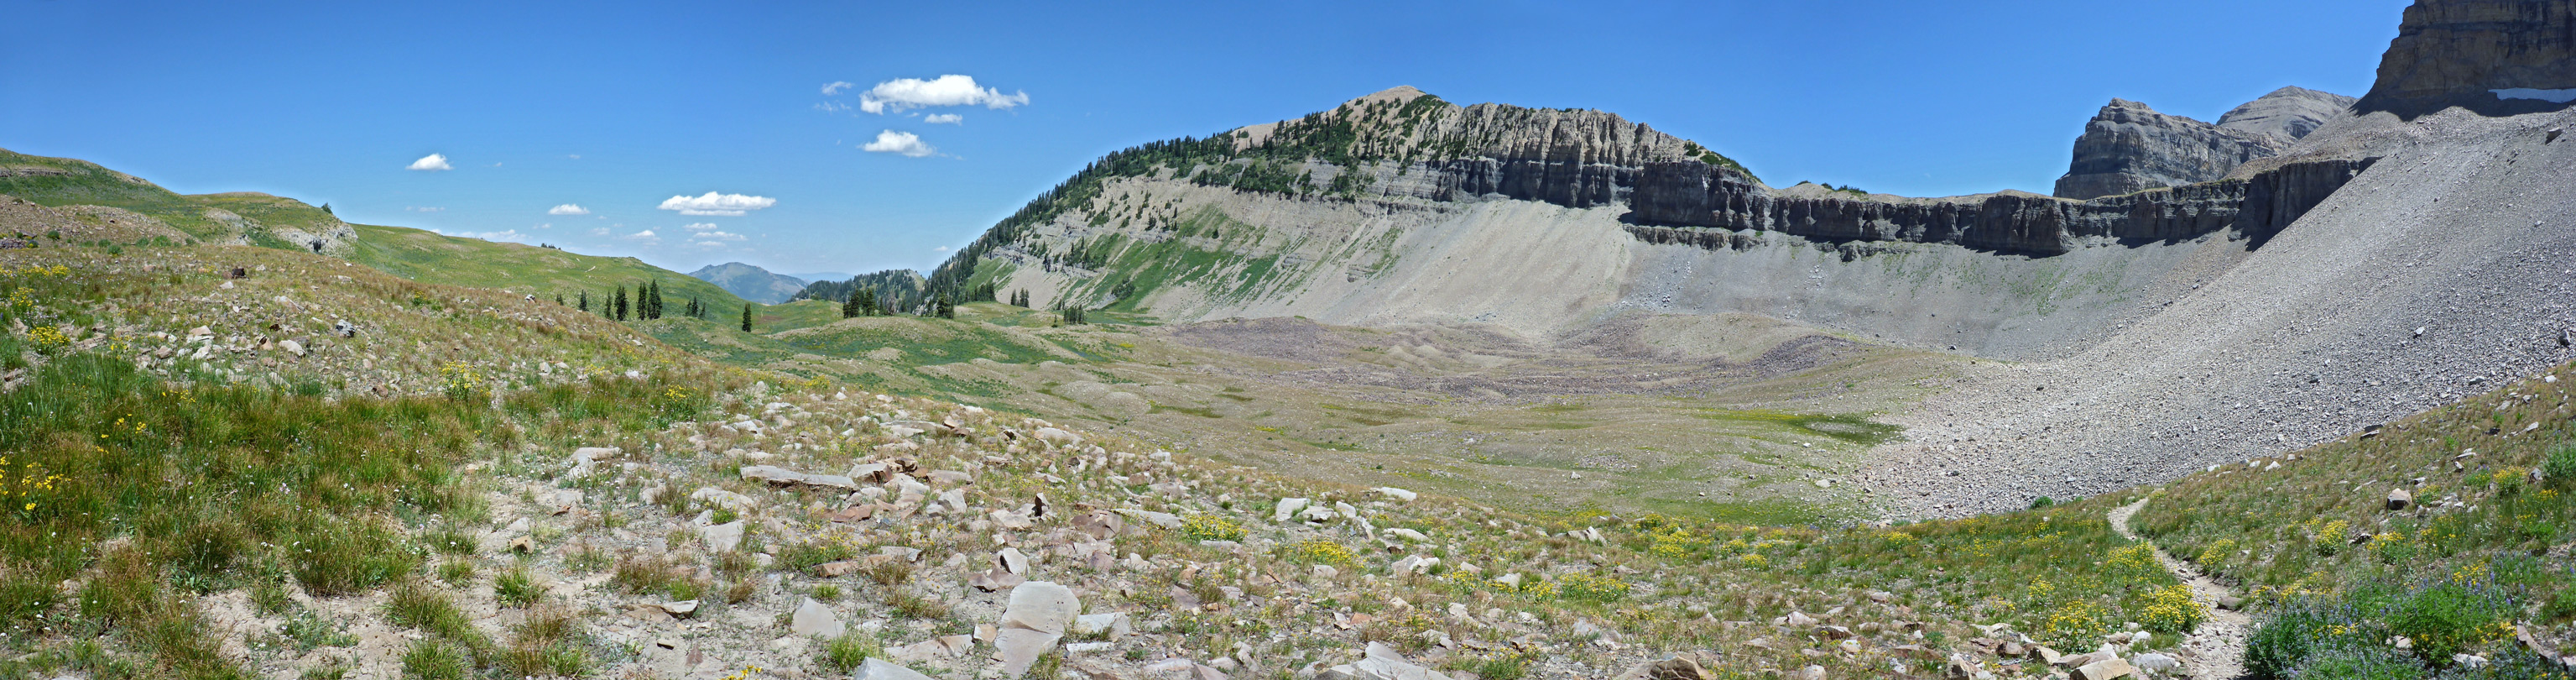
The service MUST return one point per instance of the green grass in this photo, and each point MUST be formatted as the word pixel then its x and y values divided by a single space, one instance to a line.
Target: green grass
pixel 2335 573
pixel 546 272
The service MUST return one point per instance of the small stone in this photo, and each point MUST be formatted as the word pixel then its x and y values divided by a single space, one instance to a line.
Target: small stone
pixel 2399 499
pixel 1398 494
pixel 681 608
pixel 2155 662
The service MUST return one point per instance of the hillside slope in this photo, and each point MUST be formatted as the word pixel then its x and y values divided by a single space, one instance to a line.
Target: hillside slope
pixel 428 256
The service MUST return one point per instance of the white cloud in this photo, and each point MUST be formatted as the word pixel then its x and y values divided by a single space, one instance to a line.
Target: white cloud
pixel 420 209
pixel 831 107
pixel 601 231
pixel 949 118
pixel 511 235
pixel 722 205
pixel 433 163
pixel 699 226
pixel 905 143
pixel 837 86
pixel 706 244
pixel 947 90
pixel 719 236
pixel 568 209
pixel 646 236
pixel 941 249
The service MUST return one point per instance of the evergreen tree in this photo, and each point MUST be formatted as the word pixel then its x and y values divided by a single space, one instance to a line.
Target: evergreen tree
pixel 868 303
pixel 746 317
pixel 652 300
pixel 850 305
pixel 585 301
pixel 657 300
pixel 944 308
pixel 619 303
pixel 558 299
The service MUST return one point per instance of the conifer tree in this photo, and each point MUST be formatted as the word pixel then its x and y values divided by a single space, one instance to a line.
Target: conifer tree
pixel 585 301
pixel 619 302
pixel 868 303
pixel 746 317
pixel 944 308
pixel 850 305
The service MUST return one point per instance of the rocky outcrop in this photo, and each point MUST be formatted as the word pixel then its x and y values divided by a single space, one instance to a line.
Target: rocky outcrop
pixel 2491 56
pixel 2288 113
pixel 2129 147
pixel 1696 195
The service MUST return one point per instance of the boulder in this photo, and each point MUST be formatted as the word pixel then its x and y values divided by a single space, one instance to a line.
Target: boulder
pixel 1113 623
pixel 2399 499
pixel 881 669
pixel 2155 662
pixel 1395 493
pixel 1041 606
pixel 1288 508
pixel 2105 669
pixel 1380 663
pixel 722 538
pixel 813 619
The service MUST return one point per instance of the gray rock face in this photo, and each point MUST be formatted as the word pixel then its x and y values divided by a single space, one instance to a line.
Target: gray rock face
pixel 2129 147
pixel 2289 112
pixel 2462 52
pixel 1731 211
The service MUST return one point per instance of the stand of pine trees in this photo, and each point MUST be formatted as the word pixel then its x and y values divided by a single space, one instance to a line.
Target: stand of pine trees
pixel 861 302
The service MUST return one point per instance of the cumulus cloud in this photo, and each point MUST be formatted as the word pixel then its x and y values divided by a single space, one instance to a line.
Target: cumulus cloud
pixel 720 205
pixel 941 249
pixel 600 231
pixel 646 236
pixel 949 118
pixel 432 163
pixel 719 236
pixel 568 209
pixel 947 90
pixel 905 143
pixel 837 86
pixel 831 107
pixel 699 226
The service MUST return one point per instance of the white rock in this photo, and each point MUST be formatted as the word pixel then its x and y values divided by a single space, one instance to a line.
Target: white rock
pixel 1094 624
pixel 1288 508
pixel 723 538
pixel 812 619
pixel 1041 606
pixel 1407 534
pixel 881 669
pixel 1012 561
pixel 293 347
pixel 1398 494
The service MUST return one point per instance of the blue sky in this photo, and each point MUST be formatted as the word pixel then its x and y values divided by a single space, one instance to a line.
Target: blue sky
pixel 619 107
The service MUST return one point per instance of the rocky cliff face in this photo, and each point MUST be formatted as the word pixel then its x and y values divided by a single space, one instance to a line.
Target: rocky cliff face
pixel 2129 147
pixel 1693 194
pixel 2492 56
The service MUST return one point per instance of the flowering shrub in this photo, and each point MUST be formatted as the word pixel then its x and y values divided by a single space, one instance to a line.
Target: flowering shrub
pixel 1315 551
pixel 1211 528
pixel 1582 586
pixel 2169 610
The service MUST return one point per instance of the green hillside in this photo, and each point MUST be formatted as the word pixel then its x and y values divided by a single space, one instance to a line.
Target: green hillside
pixel 545 272
pixel 66 181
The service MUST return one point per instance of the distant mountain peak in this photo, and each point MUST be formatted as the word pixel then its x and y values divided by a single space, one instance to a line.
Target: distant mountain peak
pixel 751 282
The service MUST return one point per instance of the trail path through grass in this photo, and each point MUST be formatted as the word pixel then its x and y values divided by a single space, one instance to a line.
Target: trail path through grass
pixel 2217 648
